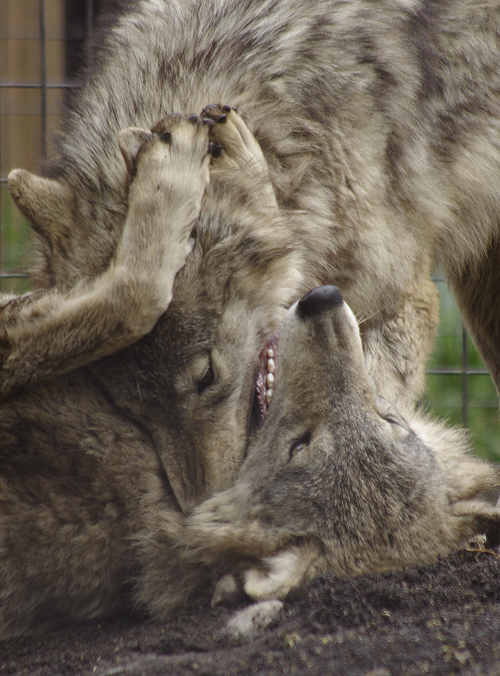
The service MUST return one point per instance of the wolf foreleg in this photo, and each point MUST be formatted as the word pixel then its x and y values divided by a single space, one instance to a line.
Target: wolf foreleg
pixel 47 334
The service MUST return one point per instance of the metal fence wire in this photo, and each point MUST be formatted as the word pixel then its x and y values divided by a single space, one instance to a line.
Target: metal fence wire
pixel 42 45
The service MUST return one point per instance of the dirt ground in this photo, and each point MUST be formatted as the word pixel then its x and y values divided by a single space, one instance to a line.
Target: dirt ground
pixel 442 619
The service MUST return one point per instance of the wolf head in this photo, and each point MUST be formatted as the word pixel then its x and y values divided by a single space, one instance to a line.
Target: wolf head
pixel 337 480
pixel 192 381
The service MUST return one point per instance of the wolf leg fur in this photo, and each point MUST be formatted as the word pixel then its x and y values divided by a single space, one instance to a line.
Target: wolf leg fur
pixel 477 291
pixel 401 345
pixel 46 334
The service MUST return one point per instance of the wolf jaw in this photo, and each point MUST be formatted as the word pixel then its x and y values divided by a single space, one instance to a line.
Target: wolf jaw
pixel 266 377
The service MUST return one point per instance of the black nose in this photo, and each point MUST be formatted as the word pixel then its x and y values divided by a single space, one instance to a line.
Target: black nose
pixel 319 299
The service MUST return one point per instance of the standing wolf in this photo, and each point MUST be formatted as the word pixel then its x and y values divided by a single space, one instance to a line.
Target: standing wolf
pixel 379 123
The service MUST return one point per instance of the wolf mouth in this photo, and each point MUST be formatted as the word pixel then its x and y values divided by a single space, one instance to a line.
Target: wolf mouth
pixel 264 385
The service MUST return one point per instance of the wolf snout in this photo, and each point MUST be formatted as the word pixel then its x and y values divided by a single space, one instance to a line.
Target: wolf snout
pixel 318 300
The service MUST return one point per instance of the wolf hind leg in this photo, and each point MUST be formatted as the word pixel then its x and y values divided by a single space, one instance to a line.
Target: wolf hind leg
pixel 477 292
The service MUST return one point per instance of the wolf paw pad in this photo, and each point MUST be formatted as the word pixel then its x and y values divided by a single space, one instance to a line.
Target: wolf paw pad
pixel 187 139
pixel 175 145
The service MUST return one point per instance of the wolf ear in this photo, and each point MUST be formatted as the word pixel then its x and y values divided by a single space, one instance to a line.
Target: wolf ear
pixel 45 202
pixel 130 141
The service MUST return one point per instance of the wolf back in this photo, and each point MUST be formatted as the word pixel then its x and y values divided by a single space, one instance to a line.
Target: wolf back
pixel 378 123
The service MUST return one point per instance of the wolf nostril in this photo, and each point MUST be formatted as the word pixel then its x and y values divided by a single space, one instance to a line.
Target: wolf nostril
pixel 319 299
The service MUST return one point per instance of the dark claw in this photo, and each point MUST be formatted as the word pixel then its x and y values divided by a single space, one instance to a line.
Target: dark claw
pixel 215 149
pixel 222 119
pixel 193 119
pixel 226 109
pixel 207 120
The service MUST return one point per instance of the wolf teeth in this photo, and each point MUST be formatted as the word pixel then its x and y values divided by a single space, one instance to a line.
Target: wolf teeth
pixel 266 375
pixel 270 376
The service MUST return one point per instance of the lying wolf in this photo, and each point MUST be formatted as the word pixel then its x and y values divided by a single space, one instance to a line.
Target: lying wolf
pixel 339 481
pixel 379 126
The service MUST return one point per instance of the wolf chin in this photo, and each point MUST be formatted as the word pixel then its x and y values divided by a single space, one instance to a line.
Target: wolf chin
pixel 376 159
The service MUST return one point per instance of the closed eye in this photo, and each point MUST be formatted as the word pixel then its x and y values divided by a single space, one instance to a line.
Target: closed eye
pixel 207 378
pixel 390 420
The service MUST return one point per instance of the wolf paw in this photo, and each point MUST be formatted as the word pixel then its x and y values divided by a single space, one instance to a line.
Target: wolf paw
pixel 173 155
pixel 169 163
pixel 229 132
pixel 180 148
pixel 169 171
pixel 232 140
pixel 247 623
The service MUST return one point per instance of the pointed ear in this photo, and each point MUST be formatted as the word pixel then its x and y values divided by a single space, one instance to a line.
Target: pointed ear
pixel 131 141
pixel 45 202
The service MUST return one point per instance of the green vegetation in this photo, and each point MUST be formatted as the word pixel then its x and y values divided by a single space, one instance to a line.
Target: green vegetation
pixel 14 245
pixel 464 399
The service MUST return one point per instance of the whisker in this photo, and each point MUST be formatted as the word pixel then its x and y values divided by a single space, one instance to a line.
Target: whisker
pixel 362 319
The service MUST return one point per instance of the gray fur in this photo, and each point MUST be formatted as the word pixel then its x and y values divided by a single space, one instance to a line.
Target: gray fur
pixel 377 155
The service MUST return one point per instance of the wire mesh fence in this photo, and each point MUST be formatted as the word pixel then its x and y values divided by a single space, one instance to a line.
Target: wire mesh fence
pixel 42 46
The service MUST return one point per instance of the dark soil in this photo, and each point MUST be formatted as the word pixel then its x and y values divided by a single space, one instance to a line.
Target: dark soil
pixel 441 619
